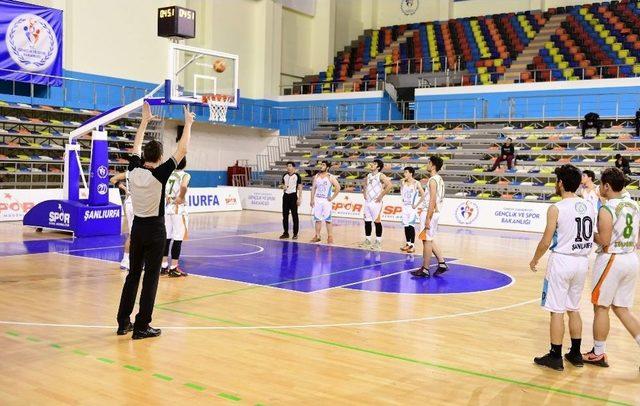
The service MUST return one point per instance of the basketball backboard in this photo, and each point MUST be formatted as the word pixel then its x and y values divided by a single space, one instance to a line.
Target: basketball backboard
pixel 197 72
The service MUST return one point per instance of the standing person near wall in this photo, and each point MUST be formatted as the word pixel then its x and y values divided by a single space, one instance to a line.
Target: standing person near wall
pixel 636 120
pixel 376 186
pixel 147 181
pixel 292 185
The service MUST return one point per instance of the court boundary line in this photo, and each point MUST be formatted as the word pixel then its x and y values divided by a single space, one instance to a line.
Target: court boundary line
pixel 281 327
pixel 456 261
pixel 260 249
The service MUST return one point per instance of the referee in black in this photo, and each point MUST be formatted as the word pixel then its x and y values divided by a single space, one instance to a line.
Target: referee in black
pixel 292 185
pixel 147 180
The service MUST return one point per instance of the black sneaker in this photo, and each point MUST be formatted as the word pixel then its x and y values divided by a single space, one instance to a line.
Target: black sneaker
pixel 284 236
pixel 550 361
pixel 149 332
pixel 124 330
pixel 442 268
pixel 421 273
pixel 574 359
pixel 177 273
pixel 295 237
pixel 164 271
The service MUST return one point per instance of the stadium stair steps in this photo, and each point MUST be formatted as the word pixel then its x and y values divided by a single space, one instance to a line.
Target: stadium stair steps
pixel 525 57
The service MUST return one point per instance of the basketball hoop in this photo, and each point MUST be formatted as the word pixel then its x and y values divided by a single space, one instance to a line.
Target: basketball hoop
pixel 218 106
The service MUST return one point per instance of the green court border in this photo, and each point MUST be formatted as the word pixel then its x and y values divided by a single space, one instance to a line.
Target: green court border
pixel 188 384
pixel 432 365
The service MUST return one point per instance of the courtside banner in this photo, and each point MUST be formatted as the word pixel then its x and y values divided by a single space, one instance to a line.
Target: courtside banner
pixel 15 203
pixel 30 43
pixel 495 214
pixel 212 199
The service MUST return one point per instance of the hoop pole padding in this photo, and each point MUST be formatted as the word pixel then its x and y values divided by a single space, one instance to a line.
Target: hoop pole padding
pixel 72 170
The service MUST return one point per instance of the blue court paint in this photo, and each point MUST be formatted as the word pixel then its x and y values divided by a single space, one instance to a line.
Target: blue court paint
pixel 460 279
pixel 286 264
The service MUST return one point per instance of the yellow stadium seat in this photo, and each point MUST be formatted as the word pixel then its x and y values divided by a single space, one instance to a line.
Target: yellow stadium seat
pixel 616 46
pixel 631 60
pixel 553 51
pixel 497 62
pixel 548 45
pixel 563 65
pixel 636 69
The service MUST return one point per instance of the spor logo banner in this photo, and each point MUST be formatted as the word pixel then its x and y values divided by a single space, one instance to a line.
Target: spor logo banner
pixel 30 43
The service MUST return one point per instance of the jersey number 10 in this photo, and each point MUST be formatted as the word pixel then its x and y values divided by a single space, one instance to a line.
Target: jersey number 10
pixel 585 229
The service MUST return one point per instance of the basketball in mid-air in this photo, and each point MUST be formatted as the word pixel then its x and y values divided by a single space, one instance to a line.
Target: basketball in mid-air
pixel 219 66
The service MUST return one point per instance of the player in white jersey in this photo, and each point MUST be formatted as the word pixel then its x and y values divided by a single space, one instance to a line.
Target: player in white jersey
pixel 588 190
pixel 411 192
pixel 569 236
pixel 376 186
pixel 121 180
pixel 616 267
pixel 433 199
pixel 176 219
pixel 324 190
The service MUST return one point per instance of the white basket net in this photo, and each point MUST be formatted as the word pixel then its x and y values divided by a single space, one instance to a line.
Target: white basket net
pixel 218 106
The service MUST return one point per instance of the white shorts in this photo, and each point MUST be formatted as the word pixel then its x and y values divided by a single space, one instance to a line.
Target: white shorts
pixel 177 226
pixel 430 234
pixel 372 211
pixel 128 212
pixel 322 210
pixel 410 216
pixel 564 282
pixel 614 279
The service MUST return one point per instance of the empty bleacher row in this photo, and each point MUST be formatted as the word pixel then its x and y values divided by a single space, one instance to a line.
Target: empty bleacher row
pixel 600 40
pixel 33 138
pixel 468 155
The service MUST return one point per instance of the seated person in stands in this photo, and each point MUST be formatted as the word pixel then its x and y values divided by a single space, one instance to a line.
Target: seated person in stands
pixel 622 163
pixel 637 122
pixel 507 153
pixel 591 120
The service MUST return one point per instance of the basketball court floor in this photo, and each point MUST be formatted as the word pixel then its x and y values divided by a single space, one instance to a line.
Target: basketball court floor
pixel 261 321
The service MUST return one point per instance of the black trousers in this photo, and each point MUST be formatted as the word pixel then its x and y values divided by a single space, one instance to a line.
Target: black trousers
pixel 290 204
pixel 591 124
pixel 637 128
pixel 147 245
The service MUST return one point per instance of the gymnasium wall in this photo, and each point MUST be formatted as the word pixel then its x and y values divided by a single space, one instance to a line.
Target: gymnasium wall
pixel 308 41
pixel 214 148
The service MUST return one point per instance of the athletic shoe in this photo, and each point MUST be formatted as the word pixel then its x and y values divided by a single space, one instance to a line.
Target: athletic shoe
pixel 442 268
pixel 411 250
pixel 405 248
pixel 164 271
pixel 124 264
pixel 295 237
pixel 421 273
pixel 284 236
pixel 124 330
pixel 365 244
pixel 376 246
pixel 329 240
pixel 593 359
pixel 148 332
pixel 176 273
pixel 315 239
pixel 574 359
pixel 550 362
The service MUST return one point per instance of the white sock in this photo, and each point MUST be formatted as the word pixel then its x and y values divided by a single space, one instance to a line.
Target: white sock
pixel 599 347
pixel 125 259
pixel 368 238
pixel 638 339
pixel 378 239
pixel 165 264
pixel 410 244
pixel 174 266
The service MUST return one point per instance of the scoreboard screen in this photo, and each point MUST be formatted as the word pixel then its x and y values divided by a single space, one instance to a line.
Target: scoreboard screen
pixel 176 21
